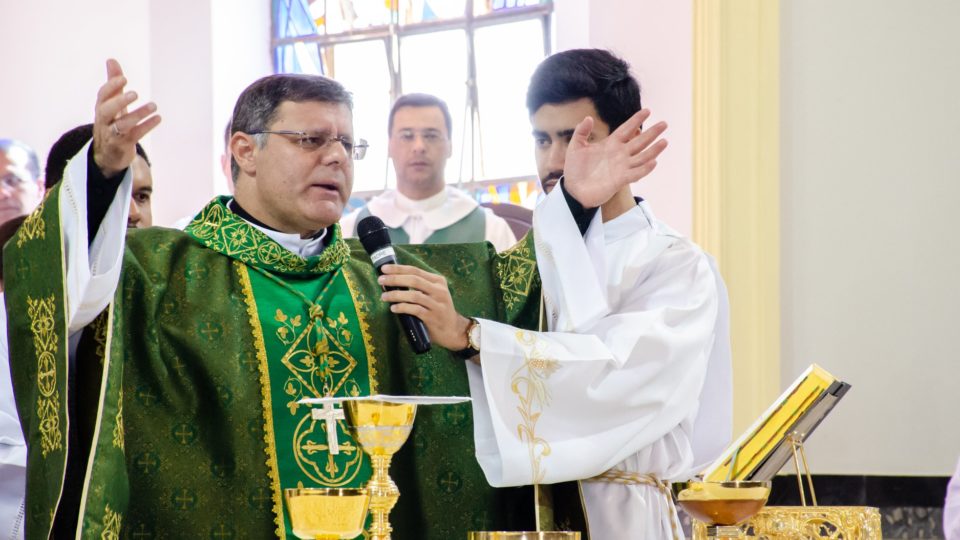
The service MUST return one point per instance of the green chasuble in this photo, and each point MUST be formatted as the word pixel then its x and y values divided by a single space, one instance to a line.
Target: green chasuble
pixel 188 382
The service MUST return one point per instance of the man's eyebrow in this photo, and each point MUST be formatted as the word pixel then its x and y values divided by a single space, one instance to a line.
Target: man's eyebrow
pixel 565 134
pixel 538 133
pixel 145 189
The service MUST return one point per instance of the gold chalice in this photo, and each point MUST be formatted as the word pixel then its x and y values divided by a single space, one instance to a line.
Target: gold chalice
pixel 721 506
pixel 381 428
pixel 327 514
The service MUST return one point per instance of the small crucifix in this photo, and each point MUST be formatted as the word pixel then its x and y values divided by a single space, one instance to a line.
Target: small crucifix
pixel 330 413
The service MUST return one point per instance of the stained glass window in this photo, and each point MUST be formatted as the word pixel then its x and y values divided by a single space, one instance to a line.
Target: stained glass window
pixel 380 49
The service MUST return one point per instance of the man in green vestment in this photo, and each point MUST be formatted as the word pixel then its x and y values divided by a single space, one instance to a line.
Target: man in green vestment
pixel 158 372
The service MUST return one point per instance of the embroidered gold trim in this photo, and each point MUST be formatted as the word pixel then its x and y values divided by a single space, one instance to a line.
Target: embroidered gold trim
pixel 98 423
pixel 45 343
pixel 529 384
pixel 32 227
pixel 221 230
pixel 118 426
pixel 269 436
pixel 516 270
pixel 112 522
pixel 100 336
pixel 360 302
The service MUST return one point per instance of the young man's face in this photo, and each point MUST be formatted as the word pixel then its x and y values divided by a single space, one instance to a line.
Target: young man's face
pixel 141 213
pixel 419 147
pixel 296 189
pixel 20 192
pixel 553 125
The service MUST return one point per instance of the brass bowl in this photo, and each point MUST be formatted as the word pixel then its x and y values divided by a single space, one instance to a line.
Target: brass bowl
pixel 327 513
pixel 519 535
pixel 721 503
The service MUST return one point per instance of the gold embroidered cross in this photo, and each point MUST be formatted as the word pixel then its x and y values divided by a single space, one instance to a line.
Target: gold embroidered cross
pixel 330 414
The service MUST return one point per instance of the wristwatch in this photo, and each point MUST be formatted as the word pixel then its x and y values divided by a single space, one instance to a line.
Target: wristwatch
pixel 473 341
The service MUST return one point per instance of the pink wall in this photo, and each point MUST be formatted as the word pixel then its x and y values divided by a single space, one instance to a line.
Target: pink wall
pixel 54 62
pixel 190 56
pixel 656 38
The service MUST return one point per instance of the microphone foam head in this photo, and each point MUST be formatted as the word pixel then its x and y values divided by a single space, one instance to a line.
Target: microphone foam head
pixel 373 233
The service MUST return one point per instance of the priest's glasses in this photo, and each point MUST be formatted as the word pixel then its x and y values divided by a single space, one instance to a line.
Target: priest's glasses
pixel 327 513
pixel 721 506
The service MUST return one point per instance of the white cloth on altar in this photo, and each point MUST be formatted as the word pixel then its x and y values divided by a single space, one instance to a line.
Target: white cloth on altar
pixel 638 322
pixel 421 218
pixel 951 508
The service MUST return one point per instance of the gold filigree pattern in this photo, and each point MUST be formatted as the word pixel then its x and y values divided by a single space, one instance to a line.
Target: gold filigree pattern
pixel 100 336
pixel 516 270
pixel 317 358
pixel 529 384
pixel 32 227
pixel 269 437
pixel 310 444
pixel 46 342
pixel 219 229
pixel 829 522
pixel 320 365
pixel 363 309
pixel 112 522
pixel 118 425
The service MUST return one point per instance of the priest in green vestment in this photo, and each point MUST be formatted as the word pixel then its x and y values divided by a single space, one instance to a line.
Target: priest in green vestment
pixel 158 372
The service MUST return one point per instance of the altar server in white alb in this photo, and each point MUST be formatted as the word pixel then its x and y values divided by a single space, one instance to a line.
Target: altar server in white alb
pixel 630 387
pixel 424 209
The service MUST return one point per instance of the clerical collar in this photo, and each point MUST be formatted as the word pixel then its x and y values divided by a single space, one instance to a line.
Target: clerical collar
pixel 304 247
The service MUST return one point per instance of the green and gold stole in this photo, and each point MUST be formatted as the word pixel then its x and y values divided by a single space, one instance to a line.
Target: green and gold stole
pixel 312 340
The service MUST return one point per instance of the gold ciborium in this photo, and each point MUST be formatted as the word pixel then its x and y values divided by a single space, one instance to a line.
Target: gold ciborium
pixel 381 428
pixel 721 506
pixel 327 514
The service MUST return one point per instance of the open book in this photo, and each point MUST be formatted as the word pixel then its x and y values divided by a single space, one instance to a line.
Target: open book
pixel 765 447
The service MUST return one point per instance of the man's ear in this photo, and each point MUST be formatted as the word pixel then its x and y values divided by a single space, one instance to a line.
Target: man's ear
pixel 243 148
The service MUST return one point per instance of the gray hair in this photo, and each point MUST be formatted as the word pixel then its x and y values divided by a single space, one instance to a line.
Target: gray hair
pixel 257 106
pixel 33 164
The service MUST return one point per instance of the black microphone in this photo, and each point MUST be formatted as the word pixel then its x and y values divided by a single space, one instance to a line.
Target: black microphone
pixel 375 238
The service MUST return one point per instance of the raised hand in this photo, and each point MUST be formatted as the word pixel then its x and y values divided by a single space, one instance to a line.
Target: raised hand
pixel 115 129
pixel 595 172
pixel 428 298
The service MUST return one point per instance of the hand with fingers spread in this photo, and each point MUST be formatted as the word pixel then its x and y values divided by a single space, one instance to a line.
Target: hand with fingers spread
pixel 595 172
pixel 428 298
pixel 116 130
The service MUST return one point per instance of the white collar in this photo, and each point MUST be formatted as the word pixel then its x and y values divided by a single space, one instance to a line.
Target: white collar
pixel 437 211
pixel 630 222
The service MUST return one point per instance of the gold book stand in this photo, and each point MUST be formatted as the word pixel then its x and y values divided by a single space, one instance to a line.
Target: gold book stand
pixel 807 522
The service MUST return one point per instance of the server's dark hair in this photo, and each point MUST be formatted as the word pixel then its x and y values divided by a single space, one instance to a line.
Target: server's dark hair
pixel 67 146
pixel 586 73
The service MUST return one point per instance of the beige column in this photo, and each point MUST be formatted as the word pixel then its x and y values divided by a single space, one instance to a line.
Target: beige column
pixel 736 213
